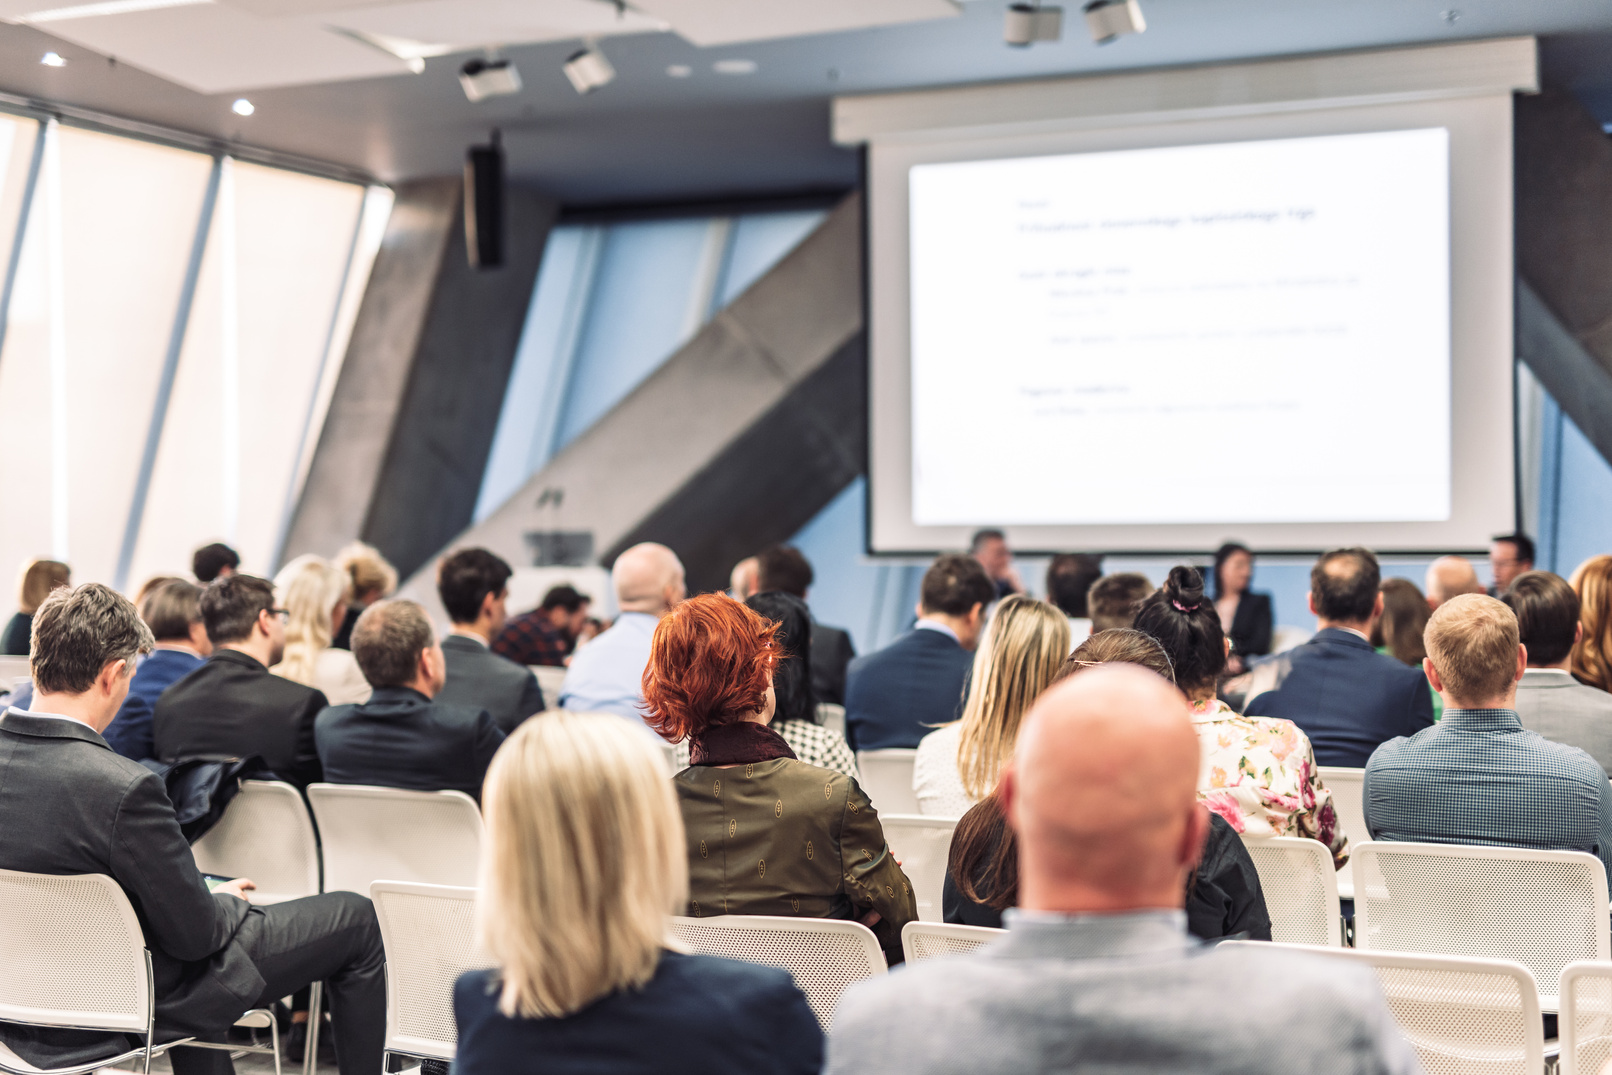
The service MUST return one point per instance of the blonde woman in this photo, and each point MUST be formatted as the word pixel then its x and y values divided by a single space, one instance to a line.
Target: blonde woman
pixel 39 578
pixel 583 861
pixel 370 578
pixel 1023 647
pixel 1592 653
pixel 313 591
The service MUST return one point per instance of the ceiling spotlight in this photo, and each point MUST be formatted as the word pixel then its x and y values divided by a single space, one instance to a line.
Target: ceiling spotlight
pixel 1108 19
pixel 734 67
pixel 52 59
pixel 1029 23
pixel 588 70
pixel 679 70
pixel 242 107
pixel 484 78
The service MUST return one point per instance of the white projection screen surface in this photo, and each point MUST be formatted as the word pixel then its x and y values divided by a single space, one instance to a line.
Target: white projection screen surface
pixel 1291 328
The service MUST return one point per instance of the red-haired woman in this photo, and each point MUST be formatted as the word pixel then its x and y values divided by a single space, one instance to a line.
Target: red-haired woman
pixel 767 834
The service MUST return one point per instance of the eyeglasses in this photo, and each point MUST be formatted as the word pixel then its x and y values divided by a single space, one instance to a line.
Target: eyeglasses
pixel 282 613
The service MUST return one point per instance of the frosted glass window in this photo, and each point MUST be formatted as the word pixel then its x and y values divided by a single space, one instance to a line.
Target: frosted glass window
pixel 760 240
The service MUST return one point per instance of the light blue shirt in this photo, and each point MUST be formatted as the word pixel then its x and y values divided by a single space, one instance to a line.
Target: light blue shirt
pixel 607 674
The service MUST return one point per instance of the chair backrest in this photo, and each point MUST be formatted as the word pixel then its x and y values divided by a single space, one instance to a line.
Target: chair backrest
pixel 1543 909
pixel 921 844
pixel 1301 889
pixel 74 955
pixel 826 956
pixel 386 834
pixel 549 679
pixel 887 779
pixel 1461 1015
pixel 429 932
pixel 928 940
pixel 266 835
pixel 1349 803
pixel 832 716
pixel 1585 1025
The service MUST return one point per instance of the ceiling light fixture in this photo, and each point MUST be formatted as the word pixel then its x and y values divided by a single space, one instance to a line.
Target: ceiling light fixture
pixel 484 78
pixel 734 67
pixel 588 70
pixel 105 7
pixel 1108 19
pixel 242 107
pixel 1029 23
pixel 52 59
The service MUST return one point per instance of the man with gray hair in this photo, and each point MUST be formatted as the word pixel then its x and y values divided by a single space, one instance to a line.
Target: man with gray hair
pixel 69 805
pixel 401 737
pixel 606 675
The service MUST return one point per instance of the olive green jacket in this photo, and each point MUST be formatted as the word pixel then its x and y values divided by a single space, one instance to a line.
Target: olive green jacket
pixel 782 837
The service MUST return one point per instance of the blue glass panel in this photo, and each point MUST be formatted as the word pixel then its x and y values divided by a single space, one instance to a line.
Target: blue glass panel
pixel 759 242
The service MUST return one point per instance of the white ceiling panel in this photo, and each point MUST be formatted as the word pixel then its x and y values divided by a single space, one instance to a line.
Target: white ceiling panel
pixel 472 23
pixel 280 8
pixel 727 22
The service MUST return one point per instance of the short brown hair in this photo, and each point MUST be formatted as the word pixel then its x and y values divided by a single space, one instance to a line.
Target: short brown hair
pixel 230 606
pixel 1547 615
pixel 39 578
pixel 955 584
pixel 170 609
pixel 1119 645
pixel 1472 642
pixel 78 632
pixel 710 662
pixel 784 567
pixel 388 640
pixel 1114 599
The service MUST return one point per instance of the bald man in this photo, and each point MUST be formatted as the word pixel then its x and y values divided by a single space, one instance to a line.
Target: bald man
pixel 1450 576
pixel 1097 969
pixel 606 675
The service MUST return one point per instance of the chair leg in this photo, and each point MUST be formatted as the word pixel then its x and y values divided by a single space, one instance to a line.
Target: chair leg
pixel 274 1041
pixel 310 1053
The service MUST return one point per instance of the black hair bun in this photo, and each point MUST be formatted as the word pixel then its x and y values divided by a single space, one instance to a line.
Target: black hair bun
pixel 1184 588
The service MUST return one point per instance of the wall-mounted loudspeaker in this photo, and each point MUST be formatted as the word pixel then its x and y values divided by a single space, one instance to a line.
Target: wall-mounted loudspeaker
pixel 484 204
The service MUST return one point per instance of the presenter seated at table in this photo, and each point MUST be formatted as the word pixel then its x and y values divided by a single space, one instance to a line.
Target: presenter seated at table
pixel 1245 616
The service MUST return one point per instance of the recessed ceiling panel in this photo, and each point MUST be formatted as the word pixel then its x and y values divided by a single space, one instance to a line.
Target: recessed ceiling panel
pixel 279 8
pixel 472 23
pixel 727 22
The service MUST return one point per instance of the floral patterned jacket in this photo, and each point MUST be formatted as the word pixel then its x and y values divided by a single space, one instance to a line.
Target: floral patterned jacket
pixel 1259 773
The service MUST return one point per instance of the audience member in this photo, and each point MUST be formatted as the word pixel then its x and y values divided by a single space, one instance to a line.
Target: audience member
pixel 370 578
pixel 1478 776
pixel 795 715
pixel 154 582
pixel 547 635
pixel 1114 599
pixel 894 696
pixel 1069 580
pixel 1259 773
pixel 215 561
pixel 1342 693
pixel 749 805
pixel 314 592
pixel 1019 654
pixel 1397 632
pixel 1097 970
pixel 1245 616
pixel 473 586
pixel 233 705
pixel 173 614
pixel 607 676
pixel 68 805
pixel 1549 700
pixel 400 737
pixel 1510 555
pixel 745 581
pixel 39 578
pixel 1450 576
pixel 1592 653
pixel 990 548
pixel 582 864
pixel 785 568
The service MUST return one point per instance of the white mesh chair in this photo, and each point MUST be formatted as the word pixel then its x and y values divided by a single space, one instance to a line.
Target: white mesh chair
pixel 832 716
pixel 826 956
pixel 386 834
pixel 549 679
pixel 1349 803
pixel 1543 909
pixel 887 779
pixel 921 845
pixel 266 835
pixel 929 940
pixel 430 938
pixel 1585 1026
pixel 1301 889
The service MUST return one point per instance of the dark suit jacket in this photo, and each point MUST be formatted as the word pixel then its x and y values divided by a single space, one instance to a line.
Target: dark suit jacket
pixel 481 679
pixel 1251 625
pixel 69 805
pixel 895 696
pixel 402 739
pixel 130 731
pixel 831 656
pixel 1347 697
pixel 233 705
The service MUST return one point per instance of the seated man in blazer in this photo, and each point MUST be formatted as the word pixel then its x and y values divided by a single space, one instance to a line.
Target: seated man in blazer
pixel 473 586
pixel 401 738
pixel 1345 695
pixel 233 705
pixel 1549 700
pixel 897 695
pixel 69 805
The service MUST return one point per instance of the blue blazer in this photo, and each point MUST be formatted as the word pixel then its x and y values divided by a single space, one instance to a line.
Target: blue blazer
pixel 699 1015
pixel 1348 698
pixel 130 731
pixel 895 696
pixel 402 739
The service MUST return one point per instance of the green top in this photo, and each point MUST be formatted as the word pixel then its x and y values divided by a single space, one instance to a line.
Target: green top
pixel 1438 700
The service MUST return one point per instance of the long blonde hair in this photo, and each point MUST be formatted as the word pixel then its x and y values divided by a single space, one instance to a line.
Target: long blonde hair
pixel 1019 655
pixel 1592 654
pixel 584 861
pixel 309 588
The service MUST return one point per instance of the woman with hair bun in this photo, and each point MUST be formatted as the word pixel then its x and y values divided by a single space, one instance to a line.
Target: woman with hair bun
pixel 1259 773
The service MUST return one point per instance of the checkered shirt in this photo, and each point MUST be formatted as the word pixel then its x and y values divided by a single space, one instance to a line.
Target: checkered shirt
pixel 532 638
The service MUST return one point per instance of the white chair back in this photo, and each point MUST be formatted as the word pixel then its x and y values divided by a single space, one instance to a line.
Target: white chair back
pixel 1585 1026
pixel 266 835
pixel 549 679
pixel 1301 889
pixel 832 716
pixel 887 779
pixel 921 844
pixel 1349 803
pixel 12 670
pixel 929 940
pixel 429 933
pixel 386 834
pixel 826 956
pixel 1542 909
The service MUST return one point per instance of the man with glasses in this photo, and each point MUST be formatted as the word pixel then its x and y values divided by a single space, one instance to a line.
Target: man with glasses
pixel 233 705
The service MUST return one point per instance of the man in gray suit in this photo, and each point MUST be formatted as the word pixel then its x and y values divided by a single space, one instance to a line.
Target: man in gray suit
pixel 474 587
pixel 1549 700
pixel 1097 971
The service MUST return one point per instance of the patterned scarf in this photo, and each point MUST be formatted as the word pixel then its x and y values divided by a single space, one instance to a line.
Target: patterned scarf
pixel 736 744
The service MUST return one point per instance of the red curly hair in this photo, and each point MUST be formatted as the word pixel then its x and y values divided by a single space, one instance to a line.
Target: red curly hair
pixel 710 662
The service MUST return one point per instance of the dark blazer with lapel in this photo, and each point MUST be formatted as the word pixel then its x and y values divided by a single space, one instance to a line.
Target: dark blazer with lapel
pixel 894 697
pixel 1251 625
pixel 69 805
pixel 402 739
pixel 130 731
pixel 831 656
pixel 1348 698
pixel 233 705
pixel 481 679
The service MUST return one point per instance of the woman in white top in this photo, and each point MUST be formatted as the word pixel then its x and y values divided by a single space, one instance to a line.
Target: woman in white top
pixel 1019 655
pixel 314 592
